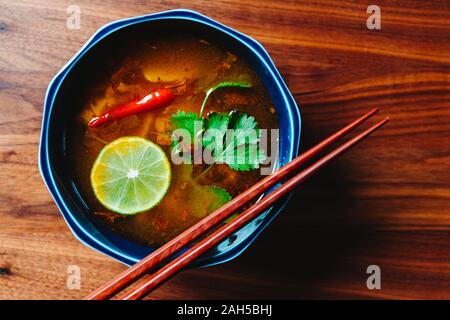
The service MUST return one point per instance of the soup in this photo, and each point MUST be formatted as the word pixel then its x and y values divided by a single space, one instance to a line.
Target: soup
pixel 186 68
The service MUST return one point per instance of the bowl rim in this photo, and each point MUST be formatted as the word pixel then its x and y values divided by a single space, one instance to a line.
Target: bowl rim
pixel 45 167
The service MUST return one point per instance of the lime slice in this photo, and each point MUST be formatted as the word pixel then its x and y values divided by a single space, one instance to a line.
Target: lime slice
pixel 130 175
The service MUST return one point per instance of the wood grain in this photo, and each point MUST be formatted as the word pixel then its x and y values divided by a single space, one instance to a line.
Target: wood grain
pixel 385 203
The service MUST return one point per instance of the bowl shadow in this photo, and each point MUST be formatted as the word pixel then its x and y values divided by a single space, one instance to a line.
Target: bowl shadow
pixel 307 245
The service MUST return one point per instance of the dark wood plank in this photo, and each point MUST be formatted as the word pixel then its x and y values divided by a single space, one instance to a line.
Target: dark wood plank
pixel 385 203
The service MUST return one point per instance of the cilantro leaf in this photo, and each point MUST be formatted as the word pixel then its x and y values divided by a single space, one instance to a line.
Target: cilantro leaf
pixel 215 129
pixel 188 121
pixel 245 128
pixel 232 139
pixel 222 85
pixel 242 158
pixel 241 150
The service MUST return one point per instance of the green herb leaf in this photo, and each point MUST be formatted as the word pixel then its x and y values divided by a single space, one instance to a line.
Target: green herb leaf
pixel 242 158
pixel 222 85
pixel 238 148
pixel 241 151
pixel 188 121
pixel 221 195
pixel 216 128
pixel 200 199
pixel 245 128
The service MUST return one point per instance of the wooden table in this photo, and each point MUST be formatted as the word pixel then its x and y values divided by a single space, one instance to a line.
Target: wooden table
pixel 386 203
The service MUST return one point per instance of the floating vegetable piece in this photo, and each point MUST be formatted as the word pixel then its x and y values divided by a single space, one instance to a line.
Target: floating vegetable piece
pixel 222 196
pixel 198 200
pixel 223 85
pixel 130 175
pixel 156 99
pixel 206 199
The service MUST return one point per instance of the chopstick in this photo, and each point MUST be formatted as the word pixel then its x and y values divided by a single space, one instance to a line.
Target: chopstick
pixel 226 230
pixel 152 260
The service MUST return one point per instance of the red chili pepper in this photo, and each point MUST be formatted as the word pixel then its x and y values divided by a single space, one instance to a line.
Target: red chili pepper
pixel 156 99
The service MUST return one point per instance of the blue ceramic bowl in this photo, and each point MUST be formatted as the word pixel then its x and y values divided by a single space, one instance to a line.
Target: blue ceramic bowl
pixel 52 156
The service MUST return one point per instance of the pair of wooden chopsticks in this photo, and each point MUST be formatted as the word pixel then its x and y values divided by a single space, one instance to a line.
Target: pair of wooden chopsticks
pixel 154 259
